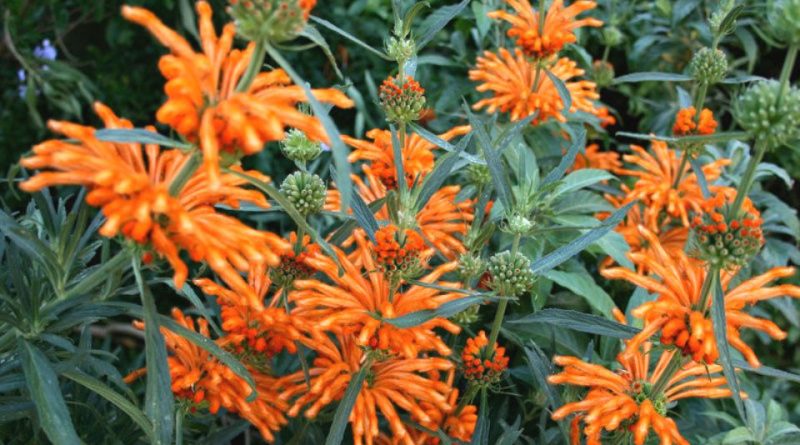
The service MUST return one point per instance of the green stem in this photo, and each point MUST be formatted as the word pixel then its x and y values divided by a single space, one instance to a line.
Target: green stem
pixel 179 426
pixel 606 53
pixel 472 390
pixel 705 290
pixel 501 307
pixel 298 245
pixel 256 62
pixel 189 167
pixel 788 67
pixel 700 100
pixel 747 180
pixel 679 173
pixel 673 366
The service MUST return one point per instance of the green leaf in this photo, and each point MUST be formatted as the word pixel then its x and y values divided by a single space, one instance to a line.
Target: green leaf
pixel 563 92
pixel 576 321
pixel 159 401
pixel 287 206
pixel 721 336
pixel 411 14
pixel 441 143
pixel 701 177
pixel 436 21
pixel 652 76
pixel 767 371
pixel 343 181
pixel 311 33
pixel 481 434
pixel 114 397
pixel 568 251
pixel 347 228
pixel 499 177
pixel 583 284
pixel 139 135
pixel 541 368
pixel 580 179
pixel 340 418
pixel 364 216
pixel 99 275
pixel 446 310
pixel 188 20
pixel 578 142
pixel 742 79
pixel 687 140
pixel 441 171
pixel 348 36
pixel 397 153
pixel 46 395
pixel 512 131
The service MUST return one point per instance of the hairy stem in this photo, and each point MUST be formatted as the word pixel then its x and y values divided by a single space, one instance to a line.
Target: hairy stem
pixel 256 62
pixel 747 179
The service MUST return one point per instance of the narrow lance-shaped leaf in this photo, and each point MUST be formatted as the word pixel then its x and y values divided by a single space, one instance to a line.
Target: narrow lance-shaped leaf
pixel 652 76
pixel 364 216
pixel 397 154
pixel 566 252
pixel 504 140
pixel 45 392
pixel 718 318
pixel 446 310
pixel 138 135
pixel 578 142
pixel 441 171
pixel 701 177
pixel 311 33
pixel 436 21
pixel 563 92
pixel 576 321
pixel 340 151
pixel 481 434
pixel 541 369
pixel 326 24
pixel 159 402
pixel 499 177
pixel 340 418
pixel 347 228
pixel 441 143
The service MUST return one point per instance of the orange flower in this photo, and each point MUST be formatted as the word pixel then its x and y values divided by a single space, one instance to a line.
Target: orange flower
pixel 654 183
pixel 478 365
pixel 606 118
pixel 203 104
pixel 393 256
pixel 418 156
pixel 441 220
pixel 391 383
pixel 199 377
pixel 685 124
pixel 559 25
pixel 626 399
pixel 132 184
pixel 723 239
pixel 676 313
pixel 593 157
pixel 354 300
pixel 513 81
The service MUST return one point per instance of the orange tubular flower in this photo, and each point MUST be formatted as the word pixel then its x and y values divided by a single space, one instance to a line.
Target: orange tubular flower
pixel 654 183
pixel 203 104
pixel 593 157
pixel 676 312
pixel 198 376
pixel 441 220
pixel 559 25
pixel 513 81
pixel 625 400
pixel 391 383
pixel 131 185
pixel 418 156
pixel 685 124
pixel 478 365
pixel 351 302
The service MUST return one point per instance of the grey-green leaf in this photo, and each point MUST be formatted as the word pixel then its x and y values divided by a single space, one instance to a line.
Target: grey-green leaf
pixel 138 135
pixel 576 321
pixel 718 318
pixel 340 418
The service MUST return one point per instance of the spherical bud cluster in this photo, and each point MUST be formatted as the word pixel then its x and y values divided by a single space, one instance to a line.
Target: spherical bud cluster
pixel 273 20
pixel 611 36
pixel 400 258
pixel 769 115
pixel 518 225
pixel 602 73
pixel 725 240
pixel 468 316
pixel 693 334
pixel 402 101
pixel 292 267
pixel 642 391
pixel 510 276
pixel 298 147
pixel 709 66
pixel 478 175
pixel 400 49
pixel 305 191
pixel 784 17
pixel 470 266
pixel 479 365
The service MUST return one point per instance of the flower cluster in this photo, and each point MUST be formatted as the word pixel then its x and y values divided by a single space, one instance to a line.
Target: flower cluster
pixel 723 239
pixel 481 363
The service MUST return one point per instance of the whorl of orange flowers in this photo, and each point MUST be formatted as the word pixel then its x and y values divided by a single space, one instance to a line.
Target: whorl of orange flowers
pixel 131 184
pixel 442 220
pixel 393 385
pixel 516 89
pixel 593 157
pixel 391 254
pixel 478 365
pixel 354 301
pixel 626 400
pixel 560 23
pixel 685 122
pixel 677 280
pixel 723 239
pixel 417 152
pixel 198 376
pixel 654 183
pixel 203 103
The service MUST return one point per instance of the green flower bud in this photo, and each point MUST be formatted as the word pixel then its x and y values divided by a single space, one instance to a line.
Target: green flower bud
pixel 298 147
pixel 470 266
pixel 478 175
pixel 400 49
pixel 602 73
pixel 612 36
pixel 273 20
pixel 510 276
pixel 467 316
pixel 784 17
pixel 518 225
pixel 305 191
pixel 769 115
pixel 402 101
pixel 708 66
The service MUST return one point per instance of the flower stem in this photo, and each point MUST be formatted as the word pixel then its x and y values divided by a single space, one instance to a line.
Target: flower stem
pixel 673 366
pixel 679 173
pixel 501 307
pixel 256 62
pixel 186 172
pixel 705 290
pixel 788 67
pixel 747 179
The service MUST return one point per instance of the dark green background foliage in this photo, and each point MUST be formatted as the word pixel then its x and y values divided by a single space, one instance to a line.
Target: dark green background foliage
pixel 101 57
